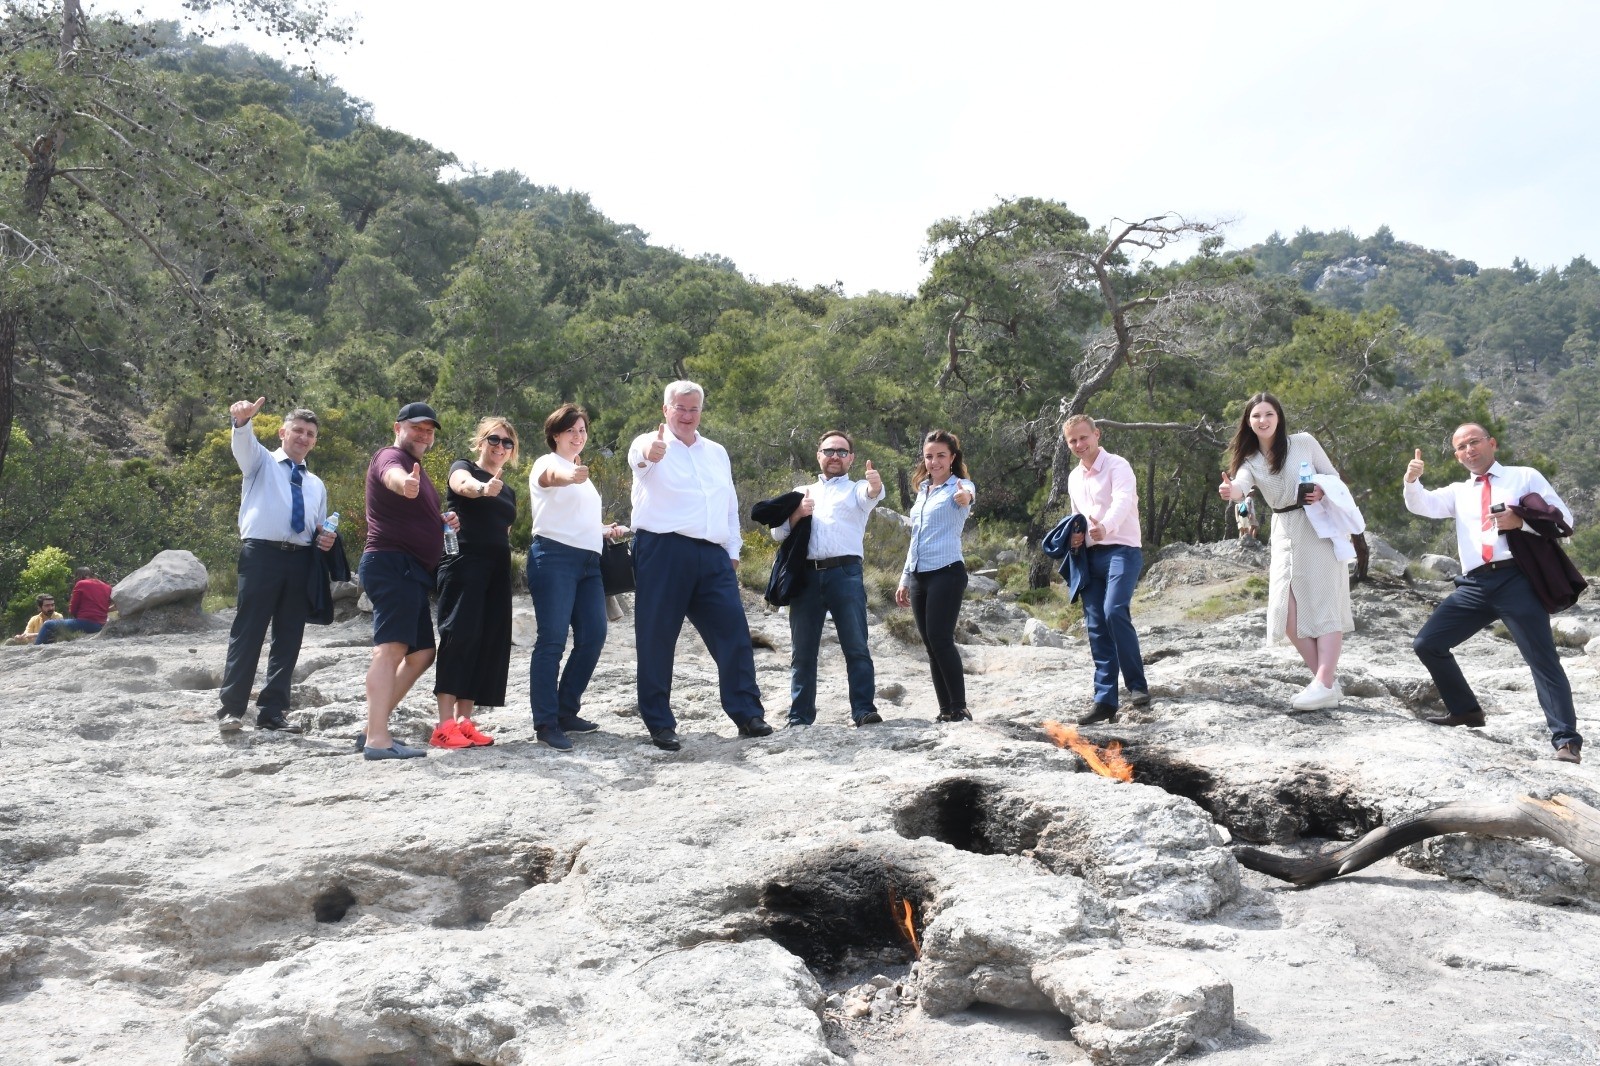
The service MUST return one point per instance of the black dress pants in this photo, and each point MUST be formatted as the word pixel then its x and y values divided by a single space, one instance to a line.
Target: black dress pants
pixel 935 604
pixel 272 591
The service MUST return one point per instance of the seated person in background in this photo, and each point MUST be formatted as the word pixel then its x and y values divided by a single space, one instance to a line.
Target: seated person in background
pixel 87 611
pixel 46 606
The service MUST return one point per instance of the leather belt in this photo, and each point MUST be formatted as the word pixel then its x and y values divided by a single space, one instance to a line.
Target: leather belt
pixel 1498 564
pixel 281 545
pixel 829 564
pixel 1286 510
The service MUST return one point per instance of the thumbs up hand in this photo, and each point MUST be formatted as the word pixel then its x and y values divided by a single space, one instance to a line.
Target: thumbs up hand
pixel 493 486
pixel 658 447
pixel 411 484
pixel 807 506
pixel 580 474
pixel 1228 490
pixel 874 481
pixel 243 411
pixel 1414 467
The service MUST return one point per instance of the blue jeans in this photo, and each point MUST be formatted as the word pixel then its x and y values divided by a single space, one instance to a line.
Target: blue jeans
pixel 47 632
pixel 841 591
pixel 1111 572
pixel 1479 599
pixel 567 594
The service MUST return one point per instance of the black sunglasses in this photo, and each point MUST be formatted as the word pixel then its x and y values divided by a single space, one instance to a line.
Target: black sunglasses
pixel 500 442
pixel 834 453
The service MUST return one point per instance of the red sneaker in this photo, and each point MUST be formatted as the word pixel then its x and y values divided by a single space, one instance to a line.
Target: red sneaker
pixel 448 735
pixel 470 730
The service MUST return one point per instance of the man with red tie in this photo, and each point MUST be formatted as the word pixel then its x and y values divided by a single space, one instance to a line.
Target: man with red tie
pixel 1491 586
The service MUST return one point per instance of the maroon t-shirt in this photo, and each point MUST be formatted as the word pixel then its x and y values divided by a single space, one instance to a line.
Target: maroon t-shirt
pixel 91 600
pixel 398 524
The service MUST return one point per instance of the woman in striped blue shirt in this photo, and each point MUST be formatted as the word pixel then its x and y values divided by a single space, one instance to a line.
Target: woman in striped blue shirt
pixel 935 575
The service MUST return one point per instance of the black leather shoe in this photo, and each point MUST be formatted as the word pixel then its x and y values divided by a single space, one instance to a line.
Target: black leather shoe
pixel 1102 712
pixel 1568 753
pixel 1472 718
pixel 278 725
pixel 665 739
pixel 870 718
pixel 755 727
pixel 959 714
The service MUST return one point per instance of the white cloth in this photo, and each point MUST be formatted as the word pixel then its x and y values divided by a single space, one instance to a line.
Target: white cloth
pixel 1335 517
pixel 839 522
pixel 264 496
pixel 1463 501
pixel 689 492
pixel 569 514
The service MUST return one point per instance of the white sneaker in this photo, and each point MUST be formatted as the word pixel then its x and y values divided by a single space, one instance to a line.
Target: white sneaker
pixel 1317 696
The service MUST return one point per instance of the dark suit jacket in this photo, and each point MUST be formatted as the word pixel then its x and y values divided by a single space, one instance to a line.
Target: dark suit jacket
pixel 788 577
pixel 1056 546
pixel 329 566
pixel 1538 555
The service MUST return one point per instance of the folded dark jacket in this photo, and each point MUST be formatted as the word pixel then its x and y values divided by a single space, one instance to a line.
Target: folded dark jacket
pixel 329 566
pixel 787 577
pixel 1538 554
pixel 1056 545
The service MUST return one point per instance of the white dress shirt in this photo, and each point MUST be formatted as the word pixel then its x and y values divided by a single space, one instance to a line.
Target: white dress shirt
pixel 1463 501
pixel 264 499
pixel 689 492
pixel 839 522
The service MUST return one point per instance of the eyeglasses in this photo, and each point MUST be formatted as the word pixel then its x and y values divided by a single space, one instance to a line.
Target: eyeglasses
pixel 834 453
pixel 1471 442
pixel 495 441
pixel 687 410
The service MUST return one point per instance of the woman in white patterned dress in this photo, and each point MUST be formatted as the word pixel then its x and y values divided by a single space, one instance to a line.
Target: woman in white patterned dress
pixel 1308 601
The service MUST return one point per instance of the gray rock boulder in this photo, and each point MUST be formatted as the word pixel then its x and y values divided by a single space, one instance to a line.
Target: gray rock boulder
pixel 1035 634
pixel 1138 1006
pixel 172 577
pixel 1442 567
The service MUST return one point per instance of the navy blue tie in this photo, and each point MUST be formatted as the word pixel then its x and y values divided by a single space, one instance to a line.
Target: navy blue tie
pixel 297 497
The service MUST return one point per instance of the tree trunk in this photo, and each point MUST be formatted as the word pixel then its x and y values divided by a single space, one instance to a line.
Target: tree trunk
pixel 8 361
pixel 1562 820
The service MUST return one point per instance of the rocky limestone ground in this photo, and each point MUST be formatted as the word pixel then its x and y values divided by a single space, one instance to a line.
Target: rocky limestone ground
pixel 171 895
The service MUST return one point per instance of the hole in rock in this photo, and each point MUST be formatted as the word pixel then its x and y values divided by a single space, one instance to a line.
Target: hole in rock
pixel 333 903
pixel 843 912
pixel 1299 802
pixel 972 815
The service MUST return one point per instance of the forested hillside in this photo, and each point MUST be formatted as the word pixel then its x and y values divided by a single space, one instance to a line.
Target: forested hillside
pixel 185 225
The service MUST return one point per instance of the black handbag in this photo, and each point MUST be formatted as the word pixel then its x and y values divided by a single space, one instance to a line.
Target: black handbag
pixel 616 567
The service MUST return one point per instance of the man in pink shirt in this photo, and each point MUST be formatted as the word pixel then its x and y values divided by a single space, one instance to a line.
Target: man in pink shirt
pixel 1103 490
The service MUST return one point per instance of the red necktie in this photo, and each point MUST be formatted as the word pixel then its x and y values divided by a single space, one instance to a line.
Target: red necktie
pixel 1488 519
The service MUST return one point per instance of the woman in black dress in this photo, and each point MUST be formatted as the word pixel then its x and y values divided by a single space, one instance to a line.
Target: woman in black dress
pixel 475 589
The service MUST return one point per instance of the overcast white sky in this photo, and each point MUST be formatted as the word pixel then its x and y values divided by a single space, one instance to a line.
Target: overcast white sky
pixel 817 141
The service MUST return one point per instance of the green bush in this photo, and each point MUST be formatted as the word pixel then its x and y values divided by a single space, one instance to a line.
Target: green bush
pixel 48 570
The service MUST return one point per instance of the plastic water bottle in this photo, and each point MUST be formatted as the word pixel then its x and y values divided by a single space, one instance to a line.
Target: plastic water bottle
pixel 452 546
pixel 331 523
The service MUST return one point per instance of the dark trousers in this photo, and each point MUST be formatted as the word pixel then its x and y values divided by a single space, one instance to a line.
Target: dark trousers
pixel 272 590
pixel 838 591
pixel 935 604
pixel 1110 574
pixel 680 577
pixel 1479 599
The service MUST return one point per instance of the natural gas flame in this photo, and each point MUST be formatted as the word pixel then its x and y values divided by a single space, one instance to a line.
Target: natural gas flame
pixel 1107 761
pixel 901 909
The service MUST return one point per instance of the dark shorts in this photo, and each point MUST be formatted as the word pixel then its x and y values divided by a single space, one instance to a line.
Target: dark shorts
pixel 398 587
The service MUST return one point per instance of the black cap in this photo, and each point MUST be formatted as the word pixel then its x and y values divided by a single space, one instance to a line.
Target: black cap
pixel 418 412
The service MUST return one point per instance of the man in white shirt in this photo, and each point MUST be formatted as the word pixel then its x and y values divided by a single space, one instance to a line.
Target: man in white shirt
pixel 1103 490
pixel 1491 586
pixel 686 564
pixel 281 509
pixel 838 509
